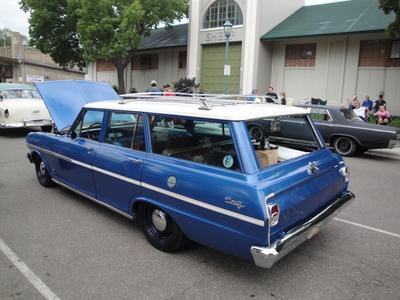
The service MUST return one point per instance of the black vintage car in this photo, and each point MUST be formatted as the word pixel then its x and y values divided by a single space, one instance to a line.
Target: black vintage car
pixel 340 127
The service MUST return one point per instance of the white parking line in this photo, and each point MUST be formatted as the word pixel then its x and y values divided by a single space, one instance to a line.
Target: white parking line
pixel 368 227
pixel 28 274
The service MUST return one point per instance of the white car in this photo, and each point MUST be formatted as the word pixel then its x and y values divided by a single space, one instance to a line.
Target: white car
pixel 21 106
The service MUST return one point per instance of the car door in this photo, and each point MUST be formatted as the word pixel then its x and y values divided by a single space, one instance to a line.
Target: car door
pixel 323 119
pixel 76 152
pixel 118 162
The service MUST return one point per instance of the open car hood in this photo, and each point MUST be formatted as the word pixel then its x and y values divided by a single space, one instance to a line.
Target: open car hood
pixel 64 99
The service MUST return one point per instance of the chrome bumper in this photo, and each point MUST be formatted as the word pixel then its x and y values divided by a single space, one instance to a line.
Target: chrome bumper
pixel 27 123
pixel 266 257
pixel 393 144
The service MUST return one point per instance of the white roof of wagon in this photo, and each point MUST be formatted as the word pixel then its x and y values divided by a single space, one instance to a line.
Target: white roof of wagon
pixel 223 111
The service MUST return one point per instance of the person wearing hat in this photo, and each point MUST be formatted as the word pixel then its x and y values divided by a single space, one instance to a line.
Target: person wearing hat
pixel 154 88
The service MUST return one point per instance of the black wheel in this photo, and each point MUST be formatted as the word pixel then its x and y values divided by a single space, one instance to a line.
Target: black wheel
pixel 256 133
pixel 344 146
pixel 42 174
pixel 160 229
pixel 46 128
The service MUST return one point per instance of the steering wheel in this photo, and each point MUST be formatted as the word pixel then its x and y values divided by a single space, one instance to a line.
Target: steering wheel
pixel 88 133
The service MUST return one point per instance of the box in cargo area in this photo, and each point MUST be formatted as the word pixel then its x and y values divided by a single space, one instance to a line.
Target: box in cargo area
pixel 267 157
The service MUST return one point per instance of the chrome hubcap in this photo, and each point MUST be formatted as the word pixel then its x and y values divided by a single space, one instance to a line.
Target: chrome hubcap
pixel 42 168
pixel 159 219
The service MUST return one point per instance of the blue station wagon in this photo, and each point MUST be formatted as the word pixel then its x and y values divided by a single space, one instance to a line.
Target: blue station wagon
pixel 187 169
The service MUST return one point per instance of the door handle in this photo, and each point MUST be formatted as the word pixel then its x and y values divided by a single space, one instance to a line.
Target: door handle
pixel 135 161
pixel 91 150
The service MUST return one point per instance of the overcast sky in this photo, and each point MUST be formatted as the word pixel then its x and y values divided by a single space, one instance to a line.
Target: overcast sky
pixel 11 16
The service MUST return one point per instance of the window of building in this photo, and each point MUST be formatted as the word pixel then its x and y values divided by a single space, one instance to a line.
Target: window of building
pixel 395 51
pixel 220 11
pixel 300 55
pixel 89 125
pixel 126 130
pixel 145 62
pixel 182 59
pixel 379 53
pixel 203 142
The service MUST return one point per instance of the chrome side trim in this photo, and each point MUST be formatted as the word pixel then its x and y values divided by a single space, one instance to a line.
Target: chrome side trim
pixel 93 199
pixel 205 205
pixel 192 201
pixel 352 127
pixel 266 257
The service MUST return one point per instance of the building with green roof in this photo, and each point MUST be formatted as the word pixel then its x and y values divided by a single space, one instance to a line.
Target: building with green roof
pixel 331 51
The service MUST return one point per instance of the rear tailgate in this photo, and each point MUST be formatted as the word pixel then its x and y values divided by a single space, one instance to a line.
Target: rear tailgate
pixel 300 189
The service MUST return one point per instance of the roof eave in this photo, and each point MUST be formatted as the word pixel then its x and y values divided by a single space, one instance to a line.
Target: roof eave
pixel 270 39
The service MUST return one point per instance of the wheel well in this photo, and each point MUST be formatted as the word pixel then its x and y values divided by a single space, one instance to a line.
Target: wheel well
pixel 35 157
pixel 135 207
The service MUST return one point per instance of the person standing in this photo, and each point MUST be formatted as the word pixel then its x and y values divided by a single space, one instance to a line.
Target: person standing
pixel 283 98
pixel 168 90
pixel 271 95
pixel 154 89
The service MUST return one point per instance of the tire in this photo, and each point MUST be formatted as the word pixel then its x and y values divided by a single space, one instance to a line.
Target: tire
pixel 256 133
pixel 163 234
pixel 46 128
pixel 43 174
pixel 345 146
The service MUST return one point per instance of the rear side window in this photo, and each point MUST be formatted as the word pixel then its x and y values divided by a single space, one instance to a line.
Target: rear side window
pixel 126 130
pixel 203 142
pixel 318 114
pixel 89 125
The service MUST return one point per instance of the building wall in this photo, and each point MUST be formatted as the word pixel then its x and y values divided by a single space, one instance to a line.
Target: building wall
pixel 167 71
pixel 336 75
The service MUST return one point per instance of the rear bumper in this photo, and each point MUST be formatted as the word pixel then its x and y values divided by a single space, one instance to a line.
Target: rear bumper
pixel 266 257
pixel 27 123
pixel 394 144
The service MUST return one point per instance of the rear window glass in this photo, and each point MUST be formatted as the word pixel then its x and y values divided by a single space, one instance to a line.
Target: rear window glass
pixel 199 141
pixel 276 139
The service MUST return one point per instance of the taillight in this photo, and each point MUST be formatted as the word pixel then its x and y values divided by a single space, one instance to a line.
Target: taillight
pixel 6 113
pixel 273 214
pixel 345 172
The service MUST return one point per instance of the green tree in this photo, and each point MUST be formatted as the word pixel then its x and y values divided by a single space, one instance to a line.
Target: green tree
pixel 392 6
pixel 52 29
pixel 74 31
pixel 113 29
pixel 5 37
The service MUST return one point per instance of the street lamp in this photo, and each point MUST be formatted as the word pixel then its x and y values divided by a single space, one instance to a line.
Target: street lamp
pixel 227 68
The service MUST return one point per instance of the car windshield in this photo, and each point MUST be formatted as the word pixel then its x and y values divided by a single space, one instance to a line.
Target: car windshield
pixel 349 114
pixel 291 135
pixel 20 93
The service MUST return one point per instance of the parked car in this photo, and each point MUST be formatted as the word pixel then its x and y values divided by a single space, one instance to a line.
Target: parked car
pixel 186 169
pixel 22 106
pixel 340 128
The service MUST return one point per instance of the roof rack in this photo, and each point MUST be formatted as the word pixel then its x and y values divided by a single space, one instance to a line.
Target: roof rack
pixel 207 101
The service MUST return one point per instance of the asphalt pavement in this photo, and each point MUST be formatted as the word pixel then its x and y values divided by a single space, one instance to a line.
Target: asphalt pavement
pixel 57 244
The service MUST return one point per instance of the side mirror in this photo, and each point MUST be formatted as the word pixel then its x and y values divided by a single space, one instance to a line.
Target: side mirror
pixel 73 135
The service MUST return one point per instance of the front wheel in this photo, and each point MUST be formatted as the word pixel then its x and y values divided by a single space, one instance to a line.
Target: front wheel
pixel 160 229
pixel 43 174
pixel 345 146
